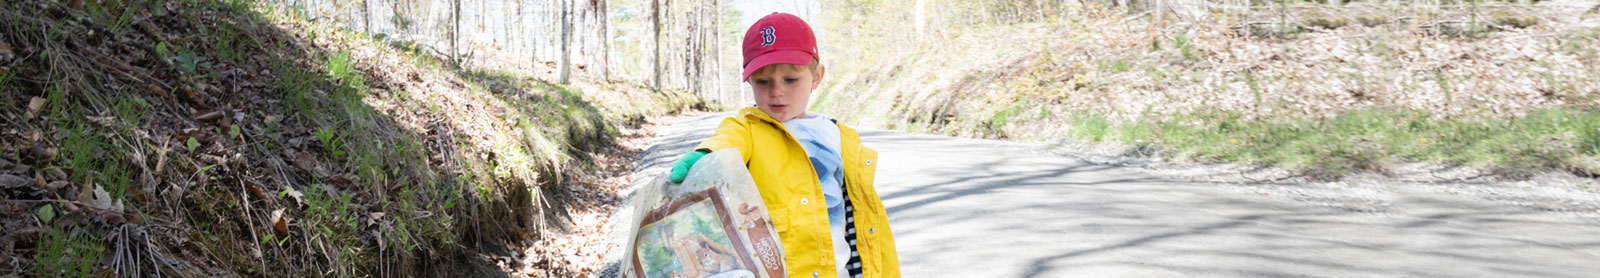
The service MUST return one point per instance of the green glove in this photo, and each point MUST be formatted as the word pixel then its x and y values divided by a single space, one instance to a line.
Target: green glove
pixel 680 170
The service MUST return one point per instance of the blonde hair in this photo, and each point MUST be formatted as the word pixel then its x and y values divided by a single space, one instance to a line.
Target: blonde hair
pixel 815 67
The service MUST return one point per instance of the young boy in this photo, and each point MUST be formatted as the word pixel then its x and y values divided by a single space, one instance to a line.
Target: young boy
pixel 813 173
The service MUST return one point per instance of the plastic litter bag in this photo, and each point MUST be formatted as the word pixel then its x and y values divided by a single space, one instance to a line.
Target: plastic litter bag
pixel 714 224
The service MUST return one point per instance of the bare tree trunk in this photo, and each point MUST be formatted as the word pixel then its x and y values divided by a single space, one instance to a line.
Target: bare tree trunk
pixel 1158 12
pixel 699 50
pixel 566 35
pixel 517 29
pixel 455 33
pixel 533 40
pixel 688 52
pixel 921 16
pixel 366 18
pixel 655 16
pixel 716 39
pixel 605 41
pixel 690 43
pixel 502 39
pixel 398 13
pixel 983 9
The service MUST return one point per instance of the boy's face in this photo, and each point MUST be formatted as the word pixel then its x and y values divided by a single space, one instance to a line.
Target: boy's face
pixel 783 90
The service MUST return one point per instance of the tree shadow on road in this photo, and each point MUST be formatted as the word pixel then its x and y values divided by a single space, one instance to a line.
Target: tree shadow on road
pixel 1059 215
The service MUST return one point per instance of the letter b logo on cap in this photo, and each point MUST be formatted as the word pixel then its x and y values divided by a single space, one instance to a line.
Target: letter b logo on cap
pixel 768 36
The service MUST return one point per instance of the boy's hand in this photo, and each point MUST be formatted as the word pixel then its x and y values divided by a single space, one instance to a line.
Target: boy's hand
pixel 680 170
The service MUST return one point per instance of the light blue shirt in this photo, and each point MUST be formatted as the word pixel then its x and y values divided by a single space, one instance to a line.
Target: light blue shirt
pixel 820 137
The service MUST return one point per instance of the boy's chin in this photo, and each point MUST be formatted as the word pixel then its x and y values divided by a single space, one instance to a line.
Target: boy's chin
pixel 776 115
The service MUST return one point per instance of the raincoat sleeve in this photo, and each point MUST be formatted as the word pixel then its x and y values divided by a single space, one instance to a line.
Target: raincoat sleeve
pixel 732 133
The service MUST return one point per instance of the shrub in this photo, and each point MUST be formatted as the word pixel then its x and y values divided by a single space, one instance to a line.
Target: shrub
pixel 1372 20
pixel 1516 21
pixel 1328 23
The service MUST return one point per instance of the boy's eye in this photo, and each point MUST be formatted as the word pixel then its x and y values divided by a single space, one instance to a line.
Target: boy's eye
pixel 762 81
pixel 791 80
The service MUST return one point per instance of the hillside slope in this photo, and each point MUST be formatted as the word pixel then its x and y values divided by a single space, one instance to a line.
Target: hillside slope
pixel 221 138
pixel 1323 91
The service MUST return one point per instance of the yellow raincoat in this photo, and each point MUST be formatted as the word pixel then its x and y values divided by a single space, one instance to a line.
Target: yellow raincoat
pixel 789 186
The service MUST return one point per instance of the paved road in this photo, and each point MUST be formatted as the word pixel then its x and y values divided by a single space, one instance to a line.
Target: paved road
pixel 979 208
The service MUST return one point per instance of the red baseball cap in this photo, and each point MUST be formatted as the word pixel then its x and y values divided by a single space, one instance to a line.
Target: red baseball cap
pixel 778 38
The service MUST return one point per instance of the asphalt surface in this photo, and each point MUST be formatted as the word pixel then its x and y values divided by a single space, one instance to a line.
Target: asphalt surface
pixel 980 208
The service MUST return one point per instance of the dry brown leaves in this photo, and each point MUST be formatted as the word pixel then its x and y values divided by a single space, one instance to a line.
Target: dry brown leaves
pixel 580 251
pixel 34 105
pixel 1313 75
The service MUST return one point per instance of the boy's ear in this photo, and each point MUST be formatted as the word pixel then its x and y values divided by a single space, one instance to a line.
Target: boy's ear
pixel 822 70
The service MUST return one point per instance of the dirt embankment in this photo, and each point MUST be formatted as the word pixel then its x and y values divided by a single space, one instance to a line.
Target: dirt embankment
pixel 1314 64
pixel 220 138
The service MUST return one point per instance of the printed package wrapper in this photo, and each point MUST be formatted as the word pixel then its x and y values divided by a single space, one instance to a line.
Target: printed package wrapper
pixel 714 225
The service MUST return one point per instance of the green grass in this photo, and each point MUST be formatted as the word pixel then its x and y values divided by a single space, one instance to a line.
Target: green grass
pixel 336 221
pixel 1091 128
pixel 1181 42
pixel 341 68
pixel 69 251
pixel 353 133
pixel 1443 81
pixel 115 19
pixel 330 99
pixel 8 79
pixel 1590 141
pixel 997 123
pixel 1580 42
pixel 298 88
pixel 1118 65
pixel 1367 140
pixel 87 148
pixel 89 155
pixel 332 141
pixel 226 38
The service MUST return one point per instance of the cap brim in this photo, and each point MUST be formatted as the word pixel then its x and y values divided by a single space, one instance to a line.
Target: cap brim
pixel 793 57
